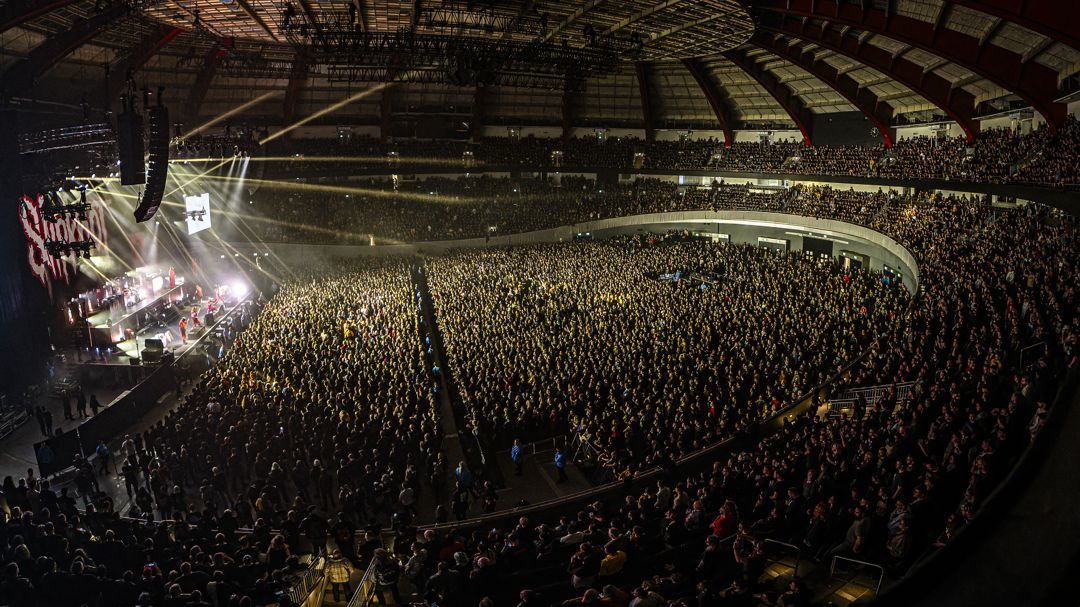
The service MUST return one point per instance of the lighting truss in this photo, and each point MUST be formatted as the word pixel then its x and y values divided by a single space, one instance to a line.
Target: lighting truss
pixel 63 248
pixel 454 47
pixel 255 65
pixel 67 138
pixel 54 210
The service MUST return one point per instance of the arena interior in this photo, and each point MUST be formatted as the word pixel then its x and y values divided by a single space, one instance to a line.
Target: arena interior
pixel 465 303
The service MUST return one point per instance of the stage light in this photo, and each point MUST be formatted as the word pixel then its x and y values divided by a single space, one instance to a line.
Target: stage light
pixel 240 290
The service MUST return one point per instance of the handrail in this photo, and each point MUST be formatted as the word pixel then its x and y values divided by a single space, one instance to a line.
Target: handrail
pixel 873 394
pixel 1031 347
pixel 533 447
pixel 299 591
pixel 881 576
pixel 798 553
pixel 897 385
pixel 837 406
pixel 366 588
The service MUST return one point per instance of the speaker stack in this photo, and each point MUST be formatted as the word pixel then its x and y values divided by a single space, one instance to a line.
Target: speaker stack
pixel 129 139
pixel 158 168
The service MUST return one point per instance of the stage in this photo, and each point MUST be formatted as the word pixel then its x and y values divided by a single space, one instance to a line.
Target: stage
pixel 119 323
pixel 124 352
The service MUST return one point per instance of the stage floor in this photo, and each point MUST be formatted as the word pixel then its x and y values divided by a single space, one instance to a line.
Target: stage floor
pixel 107 318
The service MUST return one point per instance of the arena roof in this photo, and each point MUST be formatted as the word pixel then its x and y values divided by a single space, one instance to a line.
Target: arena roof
pixel 704 64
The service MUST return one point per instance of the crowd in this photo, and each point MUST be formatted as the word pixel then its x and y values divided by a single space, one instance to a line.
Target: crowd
pixel 439 208
pixel 1056 161
pixel 592 337
pixel 321 423
pixel 1001 155
pixel 856 160
pixel 315 423
pixel 888 484
pixel 827 202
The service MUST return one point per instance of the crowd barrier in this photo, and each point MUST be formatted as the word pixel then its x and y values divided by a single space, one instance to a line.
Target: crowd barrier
pixel 58 453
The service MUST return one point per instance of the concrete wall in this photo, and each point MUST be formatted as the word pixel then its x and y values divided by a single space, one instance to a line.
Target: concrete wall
pixel 740 226
pixel 843 128
pixel 925 130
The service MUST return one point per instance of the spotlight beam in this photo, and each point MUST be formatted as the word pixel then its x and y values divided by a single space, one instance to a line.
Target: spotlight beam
pixel 236 110
pixel 278 222
pixel 101 243
pixel 338 189
pixel 339 159
pixel 326 110
pixel 117 221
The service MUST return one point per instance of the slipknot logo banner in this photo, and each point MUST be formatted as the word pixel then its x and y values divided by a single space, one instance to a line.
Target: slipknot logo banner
pixel 45 267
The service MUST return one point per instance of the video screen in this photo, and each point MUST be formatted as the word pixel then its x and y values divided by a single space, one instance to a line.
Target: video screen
pixel 198 213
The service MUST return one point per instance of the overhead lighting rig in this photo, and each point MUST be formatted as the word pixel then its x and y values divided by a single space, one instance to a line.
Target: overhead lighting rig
pixel 454 46
pixel 54 209
pixel 64 248
pixel 99 134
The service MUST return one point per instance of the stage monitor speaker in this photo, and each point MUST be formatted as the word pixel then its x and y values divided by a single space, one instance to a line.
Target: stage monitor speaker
pixel 129 140
pixel 158 167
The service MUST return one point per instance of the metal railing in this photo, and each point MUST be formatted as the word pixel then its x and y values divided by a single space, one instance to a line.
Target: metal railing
pixel 308 581
pixel 790 548
pixel 837 407
pixel 873 394
pixel 366 588
pixel 880 569
pixel 1024 351
pixel 559 441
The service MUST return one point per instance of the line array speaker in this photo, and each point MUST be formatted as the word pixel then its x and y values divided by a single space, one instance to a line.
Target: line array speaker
pixel 129 140
pixel 158 168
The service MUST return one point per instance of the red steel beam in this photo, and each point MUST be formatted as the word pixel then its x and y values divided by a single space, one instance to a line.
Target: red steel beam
pixel 641 68
pixel 878 111
pixel 297 78
pixel 206 75
pixel 1046 18
pixel 146 49
pixel 792 104
pixel 718 103
pixel 1035 83
pixel 956 102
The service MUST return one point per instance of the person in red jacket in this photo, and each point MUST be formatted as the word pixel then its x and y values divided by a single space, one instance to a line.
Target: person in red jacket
pixel 726 522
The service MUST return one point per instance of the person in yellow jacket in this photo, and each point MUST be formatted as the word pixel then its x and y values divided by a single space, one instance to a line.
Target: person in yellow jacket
pixel 612 563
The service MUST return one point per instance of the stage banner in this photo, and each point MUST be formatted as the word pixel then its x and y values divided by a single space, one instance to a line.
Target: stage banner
pixel 38 231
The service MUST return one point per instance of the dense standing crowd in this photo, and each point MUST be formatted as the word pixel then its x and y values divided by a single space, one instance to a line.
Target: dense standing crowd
pixel 321 420
pixel 891 482
pixel 594 338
